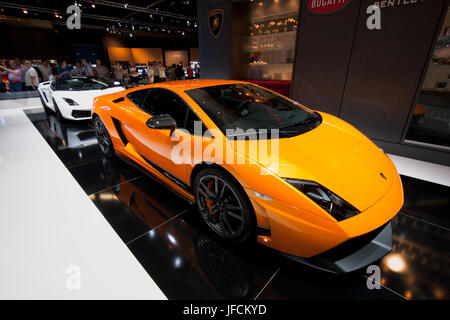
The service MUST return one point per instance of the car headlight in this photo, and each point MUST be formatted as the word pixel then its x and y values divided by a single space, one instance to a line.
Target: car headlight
pixel 70 102
pixel 337 207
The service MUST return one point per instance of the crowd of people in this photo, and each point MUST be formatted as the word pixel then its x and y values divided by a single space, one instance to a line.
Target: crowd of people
pixel 154 72
pixel 17 75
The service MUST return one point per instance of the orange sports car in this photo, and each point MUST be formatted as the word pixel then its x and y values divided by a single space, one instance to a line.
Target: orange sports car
pixel 260 165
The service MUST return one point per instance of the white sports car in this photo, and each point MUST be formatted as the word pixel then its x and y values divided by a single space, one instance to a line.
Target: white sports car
pixel 72 98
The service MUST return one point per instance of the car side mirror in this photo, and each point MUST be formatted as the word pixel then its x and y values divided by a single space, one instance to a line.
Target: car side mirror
pixel 162 121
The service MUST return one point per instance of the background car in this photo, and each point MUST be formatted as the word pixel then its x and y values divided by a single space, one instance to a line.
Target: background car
pixel 72 98
pixel 326 200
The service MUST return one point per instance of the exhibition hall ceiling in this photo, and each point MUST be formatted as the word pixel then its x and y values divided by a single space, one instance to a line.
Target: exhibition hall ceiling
pixel 121 18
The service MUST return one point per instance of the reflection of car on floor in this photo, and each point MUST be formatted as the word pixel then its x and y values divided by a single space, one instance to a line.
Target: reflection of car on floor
pixel 181 246
pixel 326 200
pixel 72 135
pixel 72 98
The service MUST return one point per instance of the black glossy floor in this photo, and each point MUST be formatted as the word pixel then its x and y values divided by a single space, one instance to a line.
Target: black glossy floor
pixel 164 233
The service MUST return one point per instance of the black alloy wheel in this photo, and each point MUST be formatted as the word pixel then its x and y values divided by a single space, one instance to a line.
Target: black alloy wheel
pixel 104 141
pixel 223 205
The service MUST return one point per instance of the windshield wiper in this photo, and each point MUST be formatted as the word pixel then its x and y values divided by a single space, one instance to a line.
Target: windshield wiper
pixel 312 119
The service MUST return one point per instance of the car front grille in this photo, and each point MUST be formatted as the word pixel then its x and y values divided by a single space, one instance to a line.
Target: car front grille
pixel 81 114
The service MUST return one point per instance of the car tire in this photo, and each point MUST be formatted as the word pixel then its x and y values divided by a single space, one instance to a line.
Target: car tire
pixel 224 205
pixel 58 113
pixel 103 138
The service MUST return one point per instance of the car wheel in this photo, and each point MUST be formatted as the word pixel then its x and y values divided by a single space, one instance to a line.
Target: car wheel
pixel 103 138
pixel 223 205
pixel 59 116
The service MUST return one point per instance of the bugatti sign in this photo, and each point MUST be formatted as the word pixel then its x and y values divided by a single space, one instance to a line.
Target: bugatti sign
pixel 326 6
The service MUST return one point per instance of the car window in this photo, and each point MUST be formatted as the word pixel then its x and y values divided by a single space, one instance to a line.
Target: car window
pixel 190 124
pixel 138 97
pixel 160 101
pixel 81 84
pixel 248 107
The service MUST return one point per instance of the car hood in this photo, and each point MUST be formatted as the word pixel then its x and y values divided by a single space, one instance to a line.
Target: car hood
pixel 337 156
pixel 86 98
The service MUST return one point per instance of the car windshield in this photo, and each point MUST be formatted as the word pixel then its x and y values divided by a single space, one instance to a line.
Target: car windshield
pixel 82 83
pixel 238 107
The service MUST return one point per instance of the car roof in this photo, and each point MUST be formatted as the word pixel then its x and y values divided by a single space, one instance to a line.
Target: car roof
pixel 184 85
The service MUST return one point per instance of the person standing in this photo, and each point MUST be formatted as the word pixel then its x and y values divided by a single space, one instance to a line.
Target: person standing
pixel 150 74
pixel 133 74
pixel 23 71
pixel 31 77
pixel 14 76
pixel 64 71
pixel 87 68
pixel 180 71
pixel 162 72
pixel 155 72
pixel 4 75
pixel 102 71
pixel 189 72
pixel 78 70
pixel 119 73
pixel 46 70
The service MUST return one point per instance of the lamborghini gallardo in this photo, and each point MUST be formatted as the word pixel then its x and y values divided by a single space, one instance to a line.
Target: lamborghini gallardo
pixel 258 165
pixel 72 98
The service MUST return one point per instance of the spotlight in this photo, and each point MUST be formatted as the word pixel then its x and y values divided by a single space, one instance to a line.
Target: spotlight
pixel 25 11
pixel 188 23
pixel 125 5
pixel 93 6
pixel 396 263
pixel 182 33
pixel 131 35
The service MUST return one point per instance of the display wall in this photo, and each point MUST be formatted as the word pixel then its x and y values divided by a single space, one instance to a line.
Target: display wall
pixel 215 53
pixel 175 57
pixel 370 78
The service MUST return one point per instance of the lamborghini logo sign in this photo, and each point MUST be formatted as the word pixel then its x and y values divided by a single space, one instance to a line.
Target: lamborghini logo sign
pixel 215 22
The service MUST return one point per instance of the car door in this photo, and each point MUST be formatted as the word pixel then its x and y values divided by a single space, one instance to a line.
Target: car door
pixel 156 145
